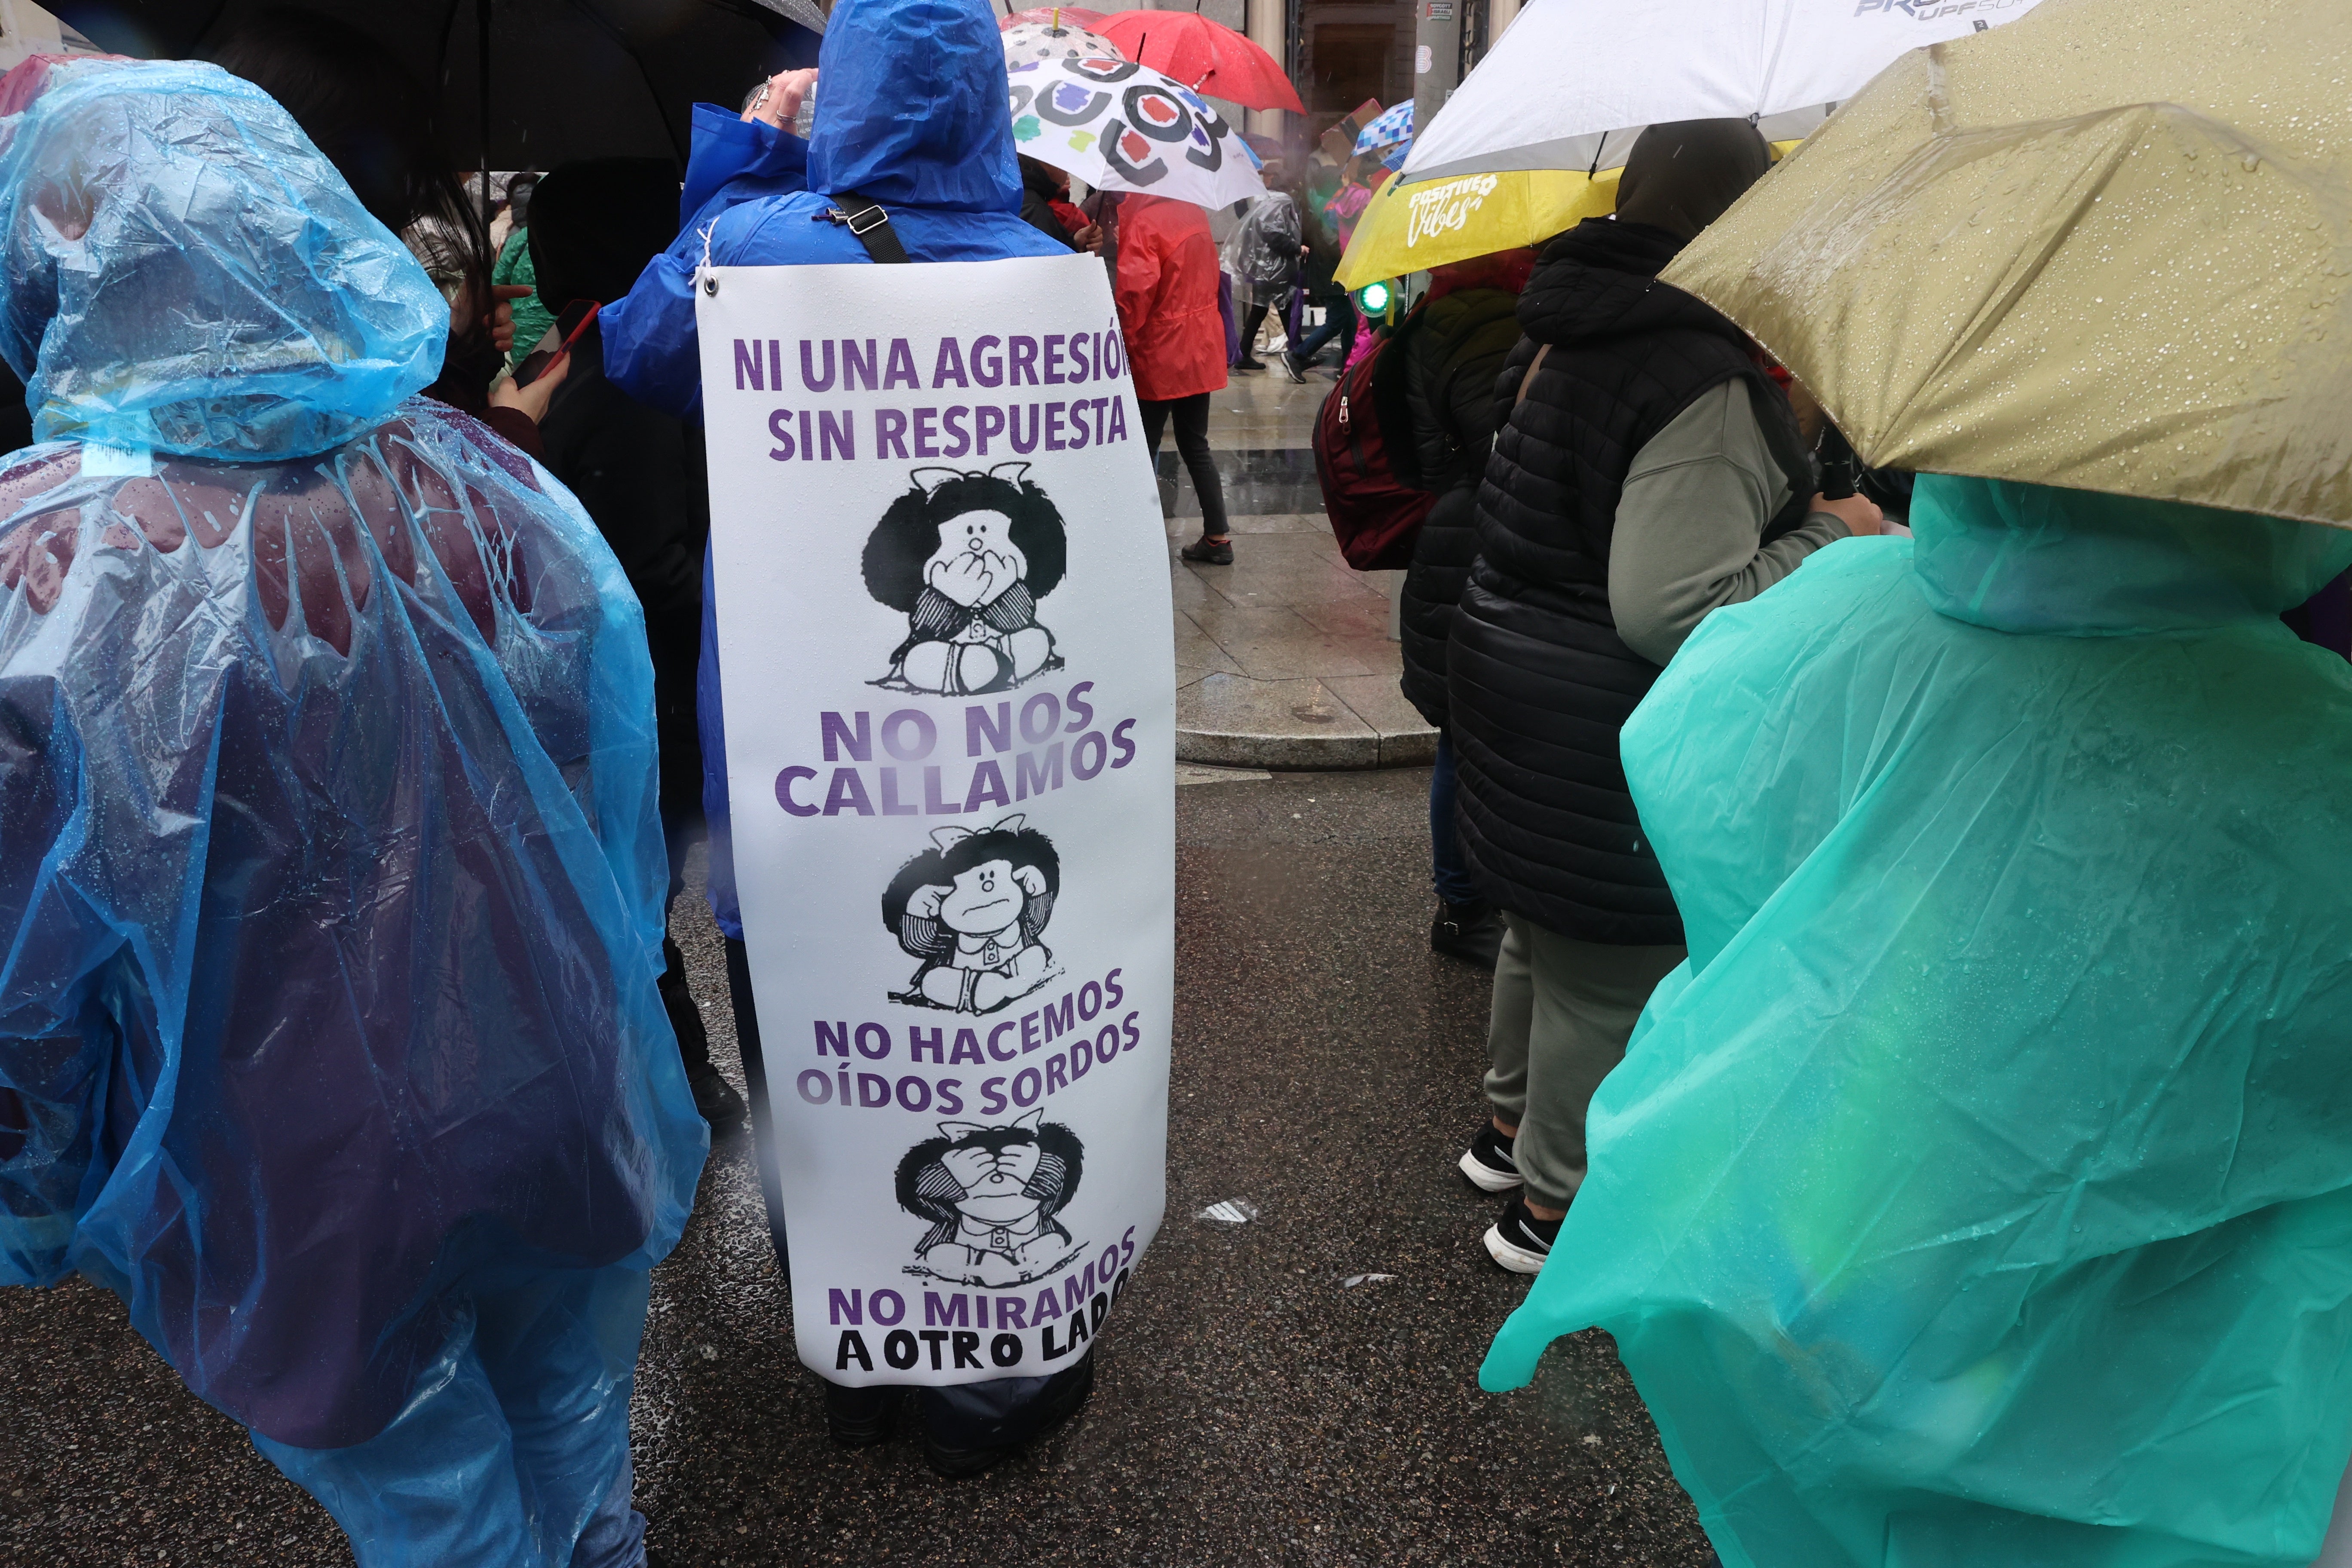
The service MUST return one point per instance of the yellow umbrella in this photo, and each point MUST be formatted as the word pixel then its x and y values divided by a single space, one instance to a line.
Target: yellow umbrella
pixel 2107 247
pixel 1410 228
pixel 1433 222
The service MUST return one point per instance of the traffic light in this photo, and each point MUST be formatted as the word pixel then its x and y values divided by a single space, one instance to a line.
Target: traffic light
pixel 1373 298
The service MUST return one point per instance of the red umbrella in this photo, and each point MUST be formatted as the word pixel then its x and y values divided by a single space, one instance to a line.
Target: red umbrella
pixel 1053 16
pixel 1207 56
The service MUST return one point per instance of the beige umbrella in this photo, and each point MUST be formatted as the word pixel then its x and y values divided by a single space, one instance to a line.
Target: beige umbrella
pixel 2107 247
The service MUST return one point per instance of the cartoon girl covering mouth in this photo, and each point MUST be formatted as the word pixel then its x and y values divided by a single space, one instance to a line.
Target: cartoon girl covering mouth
pixel 966 557
pixel 973 908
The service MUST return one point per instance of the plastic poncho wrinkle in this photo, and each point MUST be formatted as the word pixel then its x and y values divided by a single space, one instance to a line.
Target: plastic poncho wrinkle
pixel 186 273
pixel 411 963
pixel 1979 1191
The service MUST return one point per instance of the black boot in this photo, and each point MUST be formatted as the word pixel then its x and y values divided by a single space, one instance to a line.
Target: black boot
pixel 969 1426
pixel 860 1417
pixel 720 1104
pixel 714 1097
pixel 1470 932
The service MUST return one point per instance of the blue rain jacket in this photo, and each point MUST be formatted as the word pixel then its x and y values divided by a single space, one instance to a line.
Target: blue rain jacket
pixel 1980 1190
pixel 330 878
pixel 733 161
pixel 913 114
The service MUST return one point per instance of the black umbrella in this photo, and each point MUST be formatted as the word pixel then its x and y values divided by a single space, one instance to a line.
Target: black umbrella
pixel 523 83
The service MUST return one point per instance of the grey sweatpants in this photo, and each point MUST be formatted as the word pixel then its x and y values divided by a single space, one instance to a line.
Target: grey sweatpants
pixel 1563 1010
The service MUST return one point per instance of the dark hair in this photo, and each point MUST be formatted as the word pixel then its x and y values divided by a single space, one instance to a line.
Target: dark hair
pixel 909 534
pixel 1046 182
pixel 518 194
pixel 929 1190
pixel 1020 846
pixel 371 120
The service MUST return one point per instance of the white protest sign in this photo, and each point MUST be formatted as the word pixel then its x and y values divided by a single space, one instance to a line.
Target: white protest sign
pixel 949 697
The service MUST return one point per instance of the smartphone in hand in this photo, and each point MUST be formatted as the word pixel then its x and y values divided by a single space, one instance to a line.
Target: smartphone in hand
pixel 568 327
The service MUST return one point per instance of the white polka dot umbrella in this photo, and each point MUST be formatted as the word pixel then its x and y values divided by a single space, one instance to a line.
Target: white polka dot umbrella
pixel 1124 127
pixel 1031 41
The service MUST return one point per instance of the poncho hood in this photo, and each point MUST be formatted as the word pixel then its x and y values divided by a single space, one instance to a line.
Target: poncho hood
pixel 186 272
pixel 2032 558
pixel 912 108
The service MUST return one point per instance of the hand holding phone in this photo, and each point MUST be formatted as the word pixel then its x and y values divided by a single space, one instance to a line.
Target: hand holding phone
pixel 566 332
pixel 531 401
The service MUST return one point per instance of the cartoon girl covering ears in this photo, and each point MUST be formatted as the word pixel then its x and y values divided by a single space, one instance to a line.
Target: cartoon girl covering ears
pixel 972 909
pixel 966 556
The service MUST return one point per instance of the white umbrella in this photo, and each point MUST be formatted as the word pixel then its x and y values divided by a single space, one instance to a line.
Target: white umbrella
pixel 1042 41
pixel 1120 126
pixel 1574 81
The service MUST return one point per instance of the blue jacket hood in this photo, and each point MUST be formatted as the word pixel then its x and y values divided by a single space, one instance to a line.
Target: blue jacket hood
pixel 912 106
pixel 738 159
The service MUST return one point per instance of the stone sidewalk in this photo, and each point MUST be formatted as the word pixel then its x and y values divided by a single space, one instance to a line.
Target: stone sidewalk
pixel 1284 659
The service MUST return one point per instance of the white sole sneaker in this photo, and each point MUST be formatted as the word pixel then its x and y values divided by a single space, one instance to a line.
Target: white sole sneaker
pixel 1486 1178
pixel 1510 1254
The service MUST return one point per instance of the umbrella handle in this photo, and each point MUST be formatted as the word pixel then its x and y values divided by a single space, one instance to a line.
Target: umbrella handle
pixel 1840 468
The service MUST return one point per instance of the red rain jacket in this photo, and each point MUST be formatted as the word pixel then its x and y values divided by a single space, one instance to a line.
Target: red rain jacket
pixel 1168 299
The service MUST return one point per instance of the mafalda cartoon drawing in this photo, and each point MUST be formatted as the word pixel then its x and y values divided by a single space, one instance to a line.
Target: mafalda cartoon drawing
pixel 972 909
pixel 992 1194
pixel 966 557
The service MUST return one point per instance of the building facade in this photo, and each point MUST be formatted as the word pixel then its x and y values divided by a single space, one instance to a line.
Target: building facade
pixel 1343 53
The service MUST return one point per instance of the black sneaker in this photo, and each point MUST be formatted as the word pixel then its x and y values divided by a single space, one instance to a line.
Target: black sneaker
pixel 1208 552
pixel 1291 368
pixel 1488 1163
pixel 1520 1241
pixel 721 1105
pixel 1249 361
pixel 860 1417
pixel 1470 932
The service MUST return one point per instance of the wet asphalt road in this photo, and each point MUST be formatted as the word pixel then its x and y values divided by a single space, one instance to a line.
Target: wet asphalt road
pixel 1251 1409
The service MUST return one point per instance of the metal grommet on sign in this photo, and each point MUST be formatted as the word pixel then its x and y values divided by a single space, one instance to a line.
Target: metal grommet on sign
pixel 710 283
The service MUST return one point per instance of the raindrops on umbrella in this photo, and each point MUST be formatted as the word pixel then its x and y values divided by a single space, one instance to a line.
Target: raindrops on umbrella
pixel 1036 41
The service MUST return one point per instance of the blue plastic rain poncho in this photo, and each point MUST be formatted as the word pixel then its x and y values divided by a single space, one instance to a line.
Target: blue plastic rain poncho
pixel 329 874
pixel 1980 1191
pixel 914 114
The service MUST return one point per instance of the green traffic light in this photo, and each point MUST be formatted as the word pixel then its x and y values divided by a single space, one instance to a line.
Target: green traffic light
pixel 1374 299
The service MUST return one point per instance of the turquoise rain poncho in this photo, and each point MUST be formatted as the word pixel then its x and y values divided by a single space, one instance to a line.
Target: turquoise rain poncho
pixel 1980 1191
pixel 331 879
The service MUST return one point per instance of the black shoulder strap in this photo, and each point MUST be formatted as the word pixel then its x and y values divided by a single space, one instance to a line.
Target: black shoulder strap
pixel 866 220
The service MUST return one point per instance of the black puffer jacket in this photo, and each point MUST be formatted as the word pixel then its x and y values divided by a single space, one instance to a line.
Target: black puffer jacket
pixel 1538 683
pixel 1452 352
